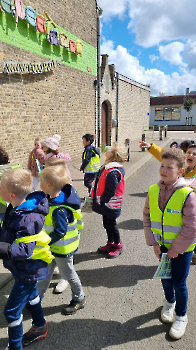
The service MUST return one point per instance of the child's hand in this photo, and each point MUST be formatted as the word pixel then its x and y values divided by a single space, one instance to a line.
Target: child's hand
pixel 157 251
pixel 144 144
pixel 172 253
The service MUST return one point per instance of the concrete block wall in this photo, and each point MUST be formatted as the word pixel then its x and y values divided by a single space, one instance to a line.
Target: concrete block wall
pixel 62 101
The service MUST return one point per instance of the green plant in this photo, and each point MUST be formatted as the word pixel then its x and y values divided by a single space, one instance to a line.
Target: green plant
pixel 103 148
pixel 188 103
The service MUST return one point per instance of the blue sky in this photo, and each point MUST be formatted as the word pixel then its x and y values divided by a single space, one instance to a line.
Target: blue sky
pixel 152 42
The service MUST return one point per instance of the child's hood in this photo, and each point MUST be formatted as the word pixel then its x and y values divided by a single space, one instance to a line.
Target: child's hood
pixel 180 183
pixel 117 165
pixel 92 148
pixel 68 197
pixel 36 202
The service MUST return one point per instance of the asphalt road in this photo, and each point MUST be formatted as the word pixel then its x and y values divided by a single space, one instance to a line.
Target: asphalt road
pixel 123 302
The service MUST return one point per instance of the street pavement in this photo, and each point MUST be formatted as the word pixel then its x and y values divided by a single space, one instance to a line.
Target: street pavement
pixel 123 302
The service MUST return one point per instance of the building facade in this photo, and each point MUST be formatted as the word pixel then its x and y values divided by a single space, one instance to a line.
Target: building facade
pixel 169 110
pixel 125 106
pixel 48 65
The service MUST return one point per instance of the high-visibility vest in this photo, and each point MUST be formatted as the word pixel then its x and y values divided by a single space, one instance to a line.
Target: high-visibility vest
pixel 70 242
pixel 42 249
pixel 94 165
pixel 167 225
pixel 116 201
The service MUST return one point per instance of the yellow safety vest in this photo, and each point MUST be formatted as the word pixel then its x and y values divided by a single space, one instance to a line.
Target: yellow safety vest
pixel 42 249
pixel 167 225
pixel 70 242
pixel 94 165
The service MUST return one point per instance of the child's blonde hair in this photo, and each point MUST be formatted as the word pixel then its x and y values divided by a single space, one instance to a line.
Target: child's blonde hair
pixel 18 181
pixel 118 154
pixel 56 176
pixel 175 154
pixel 55 161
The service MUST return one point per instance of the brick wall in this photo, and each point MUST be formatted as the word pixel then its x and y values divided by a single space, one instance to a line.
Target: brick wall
pixel 61 101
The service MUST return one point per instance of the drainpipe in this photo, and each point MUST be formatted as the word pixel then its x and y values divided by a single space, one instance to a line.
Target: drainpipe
pixel 99 12
pixel 117 97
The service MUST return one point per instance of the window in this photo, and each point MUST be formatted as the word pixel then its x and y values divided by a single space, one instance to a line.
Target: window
pixel 167 113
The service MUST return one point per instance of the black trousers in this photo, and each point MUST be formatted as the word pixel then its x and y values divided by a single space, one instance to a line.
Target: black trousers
pixel 111 228
pixel 88 180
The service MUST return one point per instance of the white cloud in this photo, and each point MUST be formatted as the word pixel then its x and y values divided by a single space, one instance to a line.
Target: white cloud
pixel 154 21
pixel 129 66
pixel 172 53
pixel 153 58
pixel 190 54
pixel 113 7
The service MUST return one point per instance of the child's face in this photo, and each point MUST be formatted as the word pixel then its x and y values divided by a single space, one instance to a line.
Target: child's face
pixel 169 171
pixel 44 186
pixel 4 193
pixel 85 143
pixel 45 149
pixel 191 158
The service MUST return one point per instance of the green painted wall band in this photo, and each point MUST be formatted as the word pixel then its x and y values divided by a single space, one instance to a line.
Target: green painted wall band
pixel 26 37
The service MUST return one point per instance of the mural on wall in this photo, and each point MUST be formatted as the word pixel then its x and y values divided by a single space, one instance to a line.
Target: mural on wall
pixel 48 38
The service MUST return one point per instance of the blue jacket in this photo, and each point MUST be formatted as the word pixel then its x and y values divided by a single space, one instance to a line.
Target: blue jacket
pixel 112 180
pixel 62 216
pixel 89 154
pixel 26 220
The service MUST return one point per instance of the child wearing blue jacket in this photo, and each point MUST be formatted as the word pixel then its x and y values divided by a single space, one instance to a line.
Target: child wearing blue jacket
pixel 62 227
pixel 23 221
pixel 107 193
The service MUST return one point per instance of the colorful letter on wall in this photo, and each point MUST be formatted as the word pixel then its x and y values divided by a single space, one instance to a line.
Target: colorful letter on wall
pixel 7 5
pixel 20 11
pixel 31 15
pixel 40 23
pixel 79 47
pixel 63 39
pixel 53 37
pixel 72 46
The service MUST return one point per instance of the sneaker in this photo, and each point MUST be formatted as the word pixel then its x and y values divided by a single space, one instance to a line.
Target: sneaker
pixel 56 271
pixel 167 312
pixel 7 347
pixel 193 258
pixel 115 251
pixel 61 286
pixel 178 327
pixel 73 307
pixel 35 333
pixel 106 248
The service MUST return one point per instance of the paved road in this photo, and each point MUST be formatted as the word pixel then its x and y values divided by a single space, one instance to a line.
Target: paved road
pixel 123 302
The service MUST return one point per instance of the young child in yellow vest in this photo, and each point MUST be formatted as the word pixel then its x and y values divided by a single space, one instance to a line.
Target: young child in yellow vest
pixel 62 227
pixel 169 219
pixel 22 256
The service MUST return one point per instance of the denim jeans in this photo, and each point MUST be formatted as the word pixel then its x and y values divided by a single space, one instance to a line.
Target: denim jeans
pixel 68 273
pixel 22 294
pixel 175 289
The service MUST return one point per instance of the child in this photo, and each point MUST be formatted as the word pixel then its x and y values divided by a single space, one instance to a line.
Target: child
pixel 35 156
pixel 174 144
pixel 51 149
pixel 170 226
pixel 4 165
pixel 108 195
pixel 62 228
pixel 20 231
pixel 90 161
pixel 62 284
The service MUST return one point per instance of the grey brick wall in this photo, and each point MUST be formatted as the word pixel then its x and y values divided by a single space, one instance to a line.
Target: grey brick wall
pixel 62 101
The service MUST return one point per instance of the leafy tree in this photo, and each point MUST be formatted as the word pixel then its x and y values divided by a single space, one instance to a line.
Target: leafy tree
pixel 188 103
